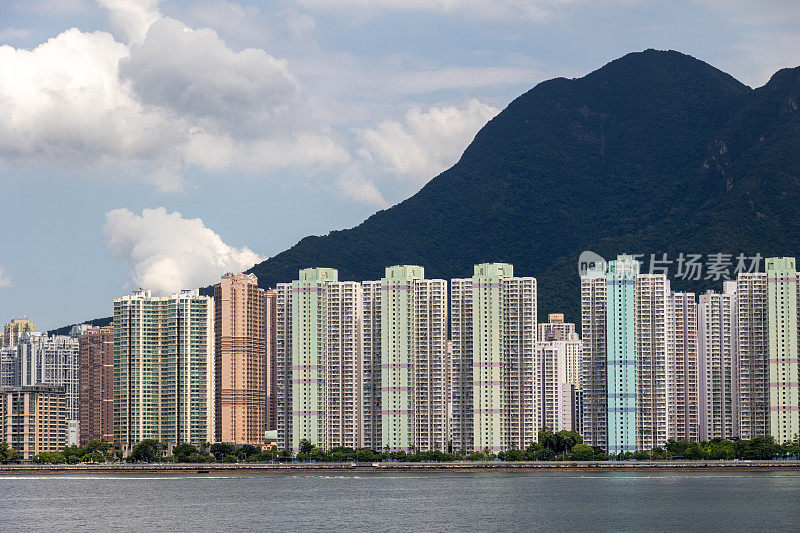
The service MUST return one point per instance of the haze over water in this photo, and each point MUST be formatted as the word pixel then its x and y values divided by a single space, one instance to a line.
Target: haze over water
pixel 447 501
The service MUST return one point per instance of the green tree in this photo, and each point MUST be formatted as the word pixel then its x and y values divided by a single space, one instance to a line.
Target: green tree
pixel 220 449
pixel 147 451
pixel 306 446
pixel 7 453
pixel 182 452
pixel 582 452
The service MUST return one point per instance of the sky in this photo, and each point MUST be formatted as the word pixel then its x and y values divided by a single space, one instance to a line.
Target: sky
pixel 160 144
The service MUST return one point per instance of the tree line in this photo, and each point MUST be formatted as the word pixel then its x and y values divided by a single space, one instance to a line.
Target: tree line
pixel 550 446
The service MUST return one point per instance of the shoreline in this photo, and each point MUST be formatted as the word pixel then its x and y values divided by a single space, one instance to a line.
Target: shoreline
pixel 378 468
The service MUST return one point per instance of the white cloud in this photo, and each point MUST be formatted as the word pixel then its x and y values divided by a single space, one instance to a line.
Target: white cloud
pixel 537 10
pixel 193 73
pixel 4 281
pixel 131 18
pixel 167 252
pixel 426 142
pixel 176 98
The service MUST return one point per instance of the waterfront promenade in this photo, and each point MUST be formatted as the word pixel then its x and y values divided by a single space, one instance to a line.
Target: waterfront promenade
pixel 267 468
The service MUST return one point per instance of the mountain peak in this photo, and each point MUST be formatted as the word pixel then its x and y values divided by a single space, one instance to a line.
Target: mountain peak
pixel 655 152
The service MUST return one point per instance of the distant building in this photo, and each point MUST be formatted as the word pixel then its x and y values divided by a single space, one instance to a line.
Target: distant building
pixel 558 384
pixel 753 355
pixel 494 332
pixel 555 329
pixel 163 369
pixel 594 381
pixel 96 378
pixel 51 360
pixel 240 360
pixel 718 414
pixel 782 314
pixel 683 387
pixel 283 365
pixel 621 353
pixel 652 360
pixel 33 419
pixel 371 364
pixel 14 329
pixel 342 365
pixel 9 367
pixel 271 377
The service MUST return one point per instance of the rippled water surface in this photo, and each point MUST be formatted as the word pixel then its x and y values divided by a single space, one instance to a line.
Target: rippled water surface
pixel 447 501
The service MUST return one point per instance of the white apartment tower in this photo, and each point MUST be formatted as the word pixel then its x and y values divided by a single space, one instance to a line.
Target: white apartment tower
pixel 371 364
pixel 431 365
pixel 594 365
pixel 343 374
pixel 682 368
pixel 494 332
pixel 652 353
pixel 753 355
pixel 718 414
pixel 283 365
pixel 461 417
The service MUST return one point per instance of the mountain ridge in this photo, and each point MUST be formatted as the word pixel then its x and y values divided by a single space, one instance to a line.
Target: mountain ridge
pixel 652 153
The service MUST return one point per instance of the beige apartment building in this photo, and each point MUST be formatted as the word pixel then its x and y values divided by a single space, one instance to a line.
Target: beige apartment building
pixel 33 419
pixel 240 360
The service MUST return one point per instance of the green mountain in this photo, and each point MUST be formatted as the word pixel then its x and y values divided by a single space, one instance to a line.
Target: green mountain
pixel 656 152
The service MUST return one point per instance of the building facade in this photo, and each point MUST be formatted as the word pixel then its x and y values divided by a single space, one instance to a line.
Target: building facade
pixel 283 365
pixel 308 355
pixel 782 314
pixel 371 339
pixel 753 355
pixel 431 383
pixel 52 360
pixel 96 378
pixel 718 395
pixel 494 334
pixel 240 360
pixel 14 329
pixel 683 374
pixel 33 419
pixel 270 346
pixel 621 350
pixel 342 373
pixel 555 329
pixel 594 380
pixel 163 369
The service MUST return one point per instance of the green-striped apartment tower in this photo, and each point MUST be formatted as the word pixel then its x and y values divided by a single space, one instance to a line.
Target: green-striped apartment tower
pixel 621 353
pixel 397 357
pixel 308 355
pixel 163 368
pixel 782 313
pixel 487 355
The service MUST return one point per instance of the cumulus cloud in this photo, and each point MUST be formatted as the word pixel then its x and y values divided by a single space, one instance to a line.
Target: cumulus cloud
pixel 498 9
pixel 167 252
pixel 4 281
pixel 194 74
pixel 131 18
pixel 172 98
pixel 424 143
